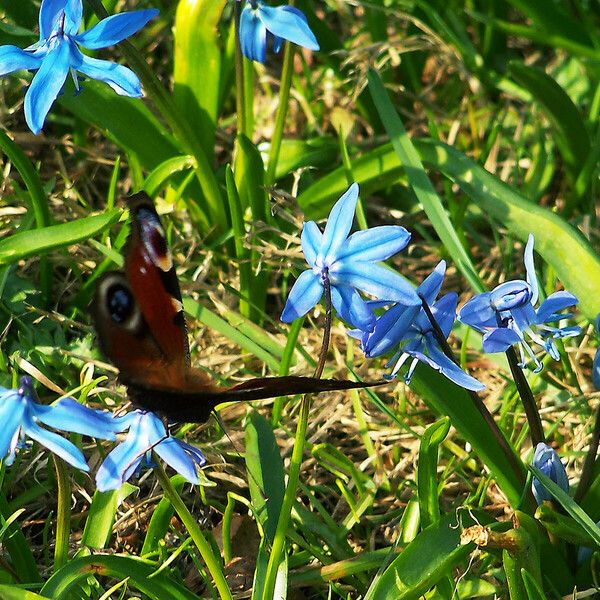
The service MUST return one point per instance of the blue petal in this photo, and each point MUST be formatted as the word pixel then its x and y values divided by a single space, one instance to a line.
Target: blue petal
pixel 74 16
pixel 14 59
pixel 390 329
pixel 478 312
pixel 339 224
pixel 375 280
pixel 68 415
pixel 121 79
pixel 253 36
pixel 524 316
pixel 376 244
pixel 510 295
pixel 549 463
pixel 12 409
pixel 56 444
pixel 441 363
pixel 432 284
pixel 500 340
pixel 172 452
pixel 49 13
pixel 351 307
pixel 311 240
pixel 305 293
pixel 288 23
pixel 530 269
pixel 119 465
pixel 444 311
pixel 554 303
pixel 46 85
pixel 115 28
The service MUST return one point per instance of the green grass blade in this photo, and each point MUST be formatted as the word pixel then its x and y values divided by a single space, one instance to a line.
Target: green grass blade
pixel 163 172
pixel 420 182
pixel 24 244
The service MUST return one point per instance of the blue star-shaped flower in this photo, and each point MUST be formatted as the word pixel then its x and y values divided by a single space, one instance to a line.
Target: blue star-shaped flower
pixel 410 328
pixel 549 463
pixel 349 264
pixel 258 22
pixel 20 416
pixel 147 433
pixel 507 315
pixel 56 53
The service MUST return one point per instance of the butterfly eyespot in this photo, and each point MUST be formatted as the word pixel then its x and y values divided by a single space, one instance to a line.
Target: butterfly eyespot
pixel 121 304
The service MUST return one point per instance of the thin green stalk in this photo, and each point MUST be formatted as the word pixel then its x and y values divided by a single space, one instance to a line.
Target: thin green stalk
pixel 361 217
pixel 295 465
pixel 481 407
pixel 240 104
pixel 536 430
pixel 181 129
pixel 213 564
pixel 63 514
pixel 282 108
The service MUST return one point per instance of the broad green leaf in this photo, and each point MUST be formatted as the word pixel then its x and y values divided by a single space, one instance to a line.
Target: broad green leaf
pixel 424 562
pixel 427 483
pixel 140 573
pixel 568 128
pixel 534 592
pixel 570 254
pixel 162 173
pixel 27 243
pixel 419 181
pixel 101 516
pixel 11 592
pixel 197 66
pixel 265 473
pixel 318 152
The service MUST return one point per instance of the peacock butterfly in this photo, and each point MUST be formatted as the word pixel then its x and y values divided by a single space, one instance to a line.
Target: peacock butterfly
pixel 141 327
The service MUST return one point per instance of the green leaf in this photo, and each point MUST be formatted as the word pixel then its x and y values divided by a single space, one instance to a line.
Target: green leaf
pixel 265 473
pixel 424 562
pixel 10 592
pixel 197 66
pixel 427 484
pixel 24 244
pixel 101 516
pixel 141 575
pixel 534 592
pixel 163 172
pixel 419 181
pixel 569 505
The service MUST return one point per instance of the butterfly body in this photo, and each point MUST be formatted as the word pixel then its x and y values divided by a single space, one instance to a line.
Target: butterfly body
pixel 139 318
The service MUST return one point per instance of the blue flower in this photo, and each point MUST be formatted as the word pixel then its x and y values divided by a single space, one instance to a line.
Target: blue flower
pixel 410 328
pixel 146 434
pixel 507 315
pixel 548 462
pixel 259 21
pixel 349 264
pixel 596 365
pixel 20 416
pixel 56 54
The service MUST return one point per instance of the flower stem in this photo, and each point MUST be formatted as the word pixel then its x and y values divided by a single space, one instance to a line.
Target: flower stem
pixel 213 564
pixel 63 514
pixel 590 461
pixel 284 97
pixel 182 130
pixel 479 404
pixel 240 105
pixel 536 430
pixel 295 464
